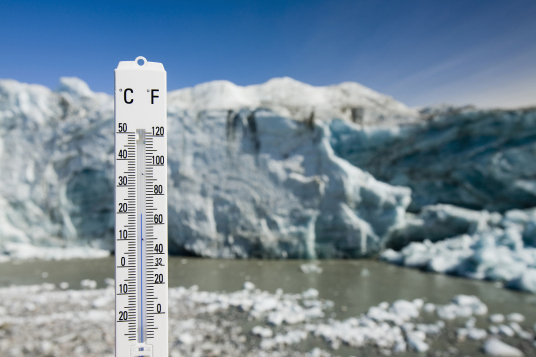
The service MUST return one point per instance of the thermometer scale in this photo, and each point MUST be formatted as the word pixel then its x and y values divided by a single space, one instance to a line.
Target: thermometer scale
pixel 141 273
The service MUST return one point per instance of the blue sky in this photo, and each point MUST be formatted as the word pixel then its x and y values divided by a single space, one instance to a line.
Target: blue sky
pixel 419 52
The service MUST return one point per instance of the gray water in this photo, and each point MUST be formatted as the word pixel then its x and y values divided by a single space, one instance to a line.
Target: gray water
pixel 345 282
pixel 353 285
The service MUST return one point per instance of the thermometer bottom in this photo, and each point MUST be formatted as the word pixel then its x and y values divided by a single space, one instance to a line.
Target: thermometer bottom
pixel 141 350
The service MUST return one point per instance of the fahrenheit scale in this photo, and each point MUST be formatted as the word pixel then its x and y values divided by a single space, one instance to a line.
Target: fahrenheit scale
pixel 141 272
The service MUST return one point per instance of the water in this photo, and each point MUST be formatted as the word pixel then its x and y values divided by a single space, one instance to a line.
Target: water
pixel 346 282
pixel 354 286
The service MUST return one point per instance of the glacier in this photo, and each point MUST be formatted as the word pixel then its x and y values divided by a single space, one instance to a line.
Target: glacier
pixel 492 247
pixel 281 170
pixel 250 175
pixel 478 159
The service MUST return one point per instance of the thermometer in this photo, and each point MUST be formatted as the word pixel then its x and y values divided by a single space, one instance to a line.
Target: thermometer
pixel 141 272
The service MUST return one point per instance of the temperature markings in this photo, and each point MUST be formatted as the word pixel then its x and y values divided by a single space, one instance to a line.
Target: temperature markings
pixel 141 167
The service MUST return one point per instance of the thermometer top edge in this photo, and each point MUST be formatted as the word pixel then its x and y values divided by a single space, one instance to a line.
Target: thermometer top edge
pixel 147 66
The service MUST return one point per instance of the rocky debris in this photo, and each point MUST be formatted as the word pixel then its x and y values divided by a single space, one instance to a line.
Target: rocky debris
pixel 80 323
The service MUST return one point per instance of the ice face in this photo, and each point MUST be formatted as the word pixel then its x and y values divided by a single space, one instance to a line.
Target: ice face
pixel 479 159
pixel 494 251
pixel 243 181
pixel 280 170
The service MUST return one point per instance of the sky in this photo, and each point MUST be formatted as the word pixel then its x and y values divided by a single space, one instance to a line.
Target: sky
pixel 419 52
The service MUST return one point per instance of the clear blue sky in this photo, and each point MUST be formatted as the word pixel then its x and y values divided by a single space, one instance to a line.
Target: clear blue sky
pixel 420 52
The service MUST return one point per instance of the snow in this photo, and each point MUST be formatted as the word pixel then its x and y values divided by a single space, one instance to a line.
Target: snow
pixel 293 99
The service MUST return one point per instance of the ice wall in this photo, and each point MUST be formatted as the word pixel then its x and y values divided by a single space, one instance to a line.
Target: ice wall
pixel 280 170
pixel 251 171
pixel 479 159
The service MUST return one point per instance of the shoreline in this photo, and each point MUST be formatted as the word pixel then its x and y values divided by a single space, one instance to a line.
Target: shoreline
pixel 253 322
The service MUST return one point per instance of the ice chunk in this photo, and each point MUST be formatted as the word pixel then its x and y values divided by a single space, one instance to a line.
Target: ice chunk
pixel 477 334
pixel 263 332
pixel 405 308
pixel 186 339
pixel 416 343
pixel 64 285
pixel 526 281
pixel 496 318
pixel 419 303
pixel 88 284
pixel 310 294
pixel 317 352
pixel 311 268
pixel 494 330
pixel 515 317
pixel 470 323
pixel 474 303
pixel 429 307
pixel 506 330
pixel 495 347
pixel 248 285
pixel 392 256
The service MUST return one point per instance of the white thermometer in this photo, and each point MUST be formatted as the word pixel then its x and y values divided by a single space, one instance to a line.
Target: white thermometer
pixel 141 235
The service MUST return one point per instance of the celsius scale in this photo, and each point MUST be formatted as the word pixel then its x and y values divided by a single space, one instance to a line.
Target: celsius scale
pixel 141 235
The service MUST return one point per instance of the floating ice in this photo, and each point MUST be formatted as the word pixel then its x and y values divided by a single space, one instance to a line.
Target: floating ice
pixel 209 323
pixel 429 307
pixel 249 285
pixel 281 340
pixel 496 318
pixel 471 333
pixel 417 343
pixel 311 268
pixel 515 317
pixel 310 294
pixel 495 347
pixel 506 330
pixel 491 253
pixel 88 284
pixel 262 331
pixel 317 352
